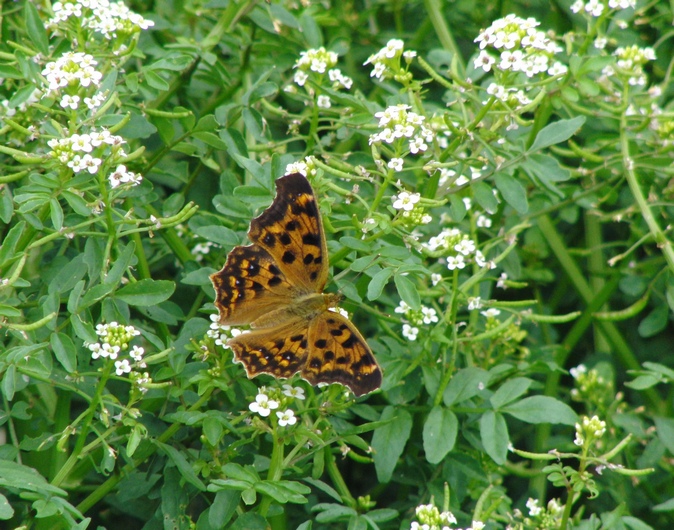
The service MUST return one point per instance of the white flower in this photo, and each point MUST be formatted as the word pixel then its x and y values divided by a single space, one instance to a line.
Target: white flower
pixel 286 418
pixel 455 262
pixel 465 247
pixel 300 77
pixel 296 392
pixel 396 164
pixel 405 200
pixel 483 221
pixel 410 332
pixel 534 508
pixel 578 371
pixel 492 312
pixel 70 101
pixel 137 353
pixel 323 102
pixel 263 405
pixel 501 282
pixel 122 367
pixel 91 164
pixel 474 302
pixel 429 315
pixel 436 278
pixel 402 307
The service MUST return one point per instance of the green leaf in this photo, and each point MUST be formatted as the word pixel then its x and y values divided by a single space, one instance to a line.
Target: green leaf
pixel 146 292
pixel 182 464
pixel 156 81
pixel 212 430
pixel 219 234
pixel 9 241
pixel 542 409
pixel 35 28
pixel 249 521
pixel 494 436
pixel 64 350
pixel 388 441
pixel 510 391
pixel 665 432
pixel 407 291
pixel 6 510
pixel 121 265
pixel 465 384
pixel 378 282
pixel 513 192
pixel 654 322
pixel 484 195
pixel 9 382
pixel 223 507
pixel 284 491
pixel 547 170
pixel 557 132
pixel 439 434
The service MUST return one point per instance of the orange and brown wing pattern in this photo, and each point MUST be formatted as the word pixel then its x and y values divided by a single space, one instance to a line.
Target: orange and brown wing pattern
pixel 339 354
pixel 249 286
pixel 280 351
pixel 292 232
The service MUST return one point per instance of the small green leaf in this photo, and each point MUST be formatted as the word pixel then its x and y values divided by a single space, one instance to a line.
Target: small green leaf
pixel 388 441
pixel 557 132
pixel 146 292
pixel 513 192
pixel 407 291
pixel 439 434
pixel 465 384
pixel 35 28
pixel 6 510
pixel 219 234
pixel 510 391
pixel 378 282
pixel 64 350
pixel 665 432
pixel 494 436
pixel 182 464
pixel 156 81
pixel 542 409
pixel 223 507
pixel 654 322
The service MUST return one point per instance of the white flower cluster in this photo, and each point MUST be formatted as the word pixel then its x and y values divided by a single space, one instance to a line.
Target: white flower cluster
pixel 87 151
pixel 412 212
pixel 320 61
pixel 115 339
pixel 520 47
pixel 591 428
pixel 398 122
pixel 264 404
pixel 220 333
pixel 430 518
pixel 460 247
pixel 415 318
pixel 630 63
pixel 110 19
pixel 72 69
pixel 595 8
pixel 448 177
pixel 305 167
pixel 386 62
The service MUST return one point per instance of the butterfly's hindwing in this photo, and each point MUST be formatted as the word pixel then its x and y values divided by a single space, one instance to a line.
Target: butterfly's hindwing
pixel 280 351
pixel 339 354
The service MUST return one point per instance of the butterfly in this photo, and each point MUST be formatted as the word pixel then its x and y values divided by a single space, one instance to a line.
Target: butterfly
pixel 276 285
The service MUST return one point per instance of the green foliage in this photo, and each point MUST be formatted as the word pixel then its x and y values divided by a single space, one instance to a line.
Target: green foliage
pixel 496 204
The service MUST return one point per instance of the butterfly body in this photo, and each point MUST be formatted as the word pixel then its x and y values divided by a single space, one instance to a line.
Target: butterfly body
pixel 276 285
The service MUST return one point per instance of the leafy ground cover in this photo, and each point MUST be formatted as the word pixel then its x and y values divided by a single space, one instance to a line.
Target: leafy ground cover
pixel 494 184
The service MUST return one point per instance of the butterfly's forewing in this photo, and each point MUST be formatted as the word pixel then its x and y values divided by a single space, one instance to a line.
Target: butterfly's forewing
pixel 249 285
pixel 339 354
pixel 292 232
